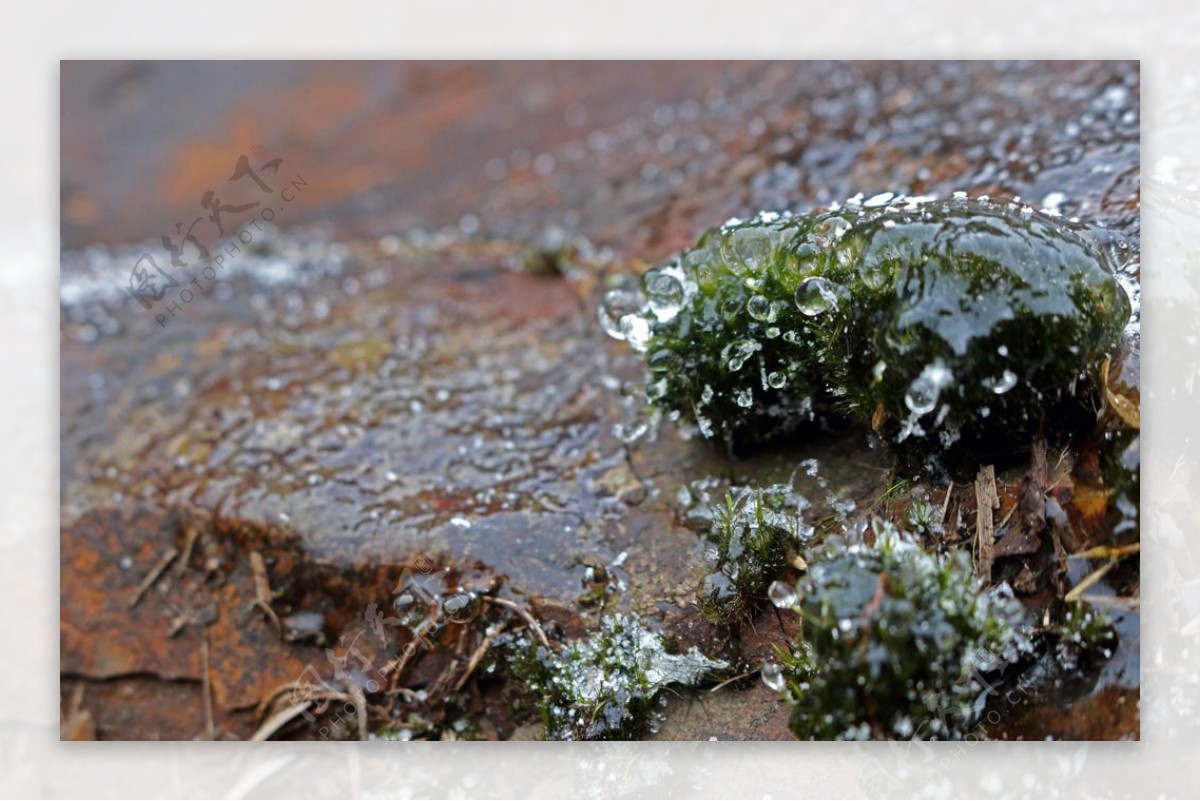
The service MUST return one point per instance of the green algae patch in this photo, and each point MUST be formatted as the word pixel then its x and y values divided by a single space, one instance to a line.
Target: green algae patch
pixel 607 686
pixel 897 643
pixel 947 324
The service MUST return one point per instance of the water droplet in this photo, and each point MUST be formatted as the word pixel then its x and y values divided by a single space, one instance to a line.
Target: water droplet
pixel 777 380
pixel 772 676
pixel 759 307
pixel 925 389
pixel 782 594
pixel 636 331
pixel 738 352
pixel 1006 381
pixel 619 304
pixel 664 291
pixel 816 295
pixel 745 398
pixel 752 246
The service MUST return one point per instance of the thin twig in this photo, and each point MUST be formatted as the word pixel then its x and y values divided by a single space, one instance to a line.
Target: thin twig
pixel 1110 551
pixel 258 603
pixel 533 624
pixel 206 687
pixel 262 583
pixel 946 502
pixel 153 576
pixel 279 720
pixel 473 662
pixel 1091 579
pixel 191 534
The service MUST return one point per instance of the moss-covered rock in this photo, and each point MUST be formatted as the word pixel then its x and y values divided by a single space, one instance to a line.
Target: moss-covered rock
pixel 897 643
pixel 605 687
pixel 940 322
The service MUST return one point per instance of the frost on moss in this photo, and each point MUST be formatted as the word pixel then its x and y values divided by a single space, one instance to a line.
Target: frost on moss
pixel 897 643
pixel 940 322
pixel 754 539
pixel 606 686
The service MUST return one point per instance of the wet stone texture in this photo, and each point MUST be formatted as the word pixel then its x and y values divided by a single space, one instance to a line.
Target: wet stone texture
pixel 419 382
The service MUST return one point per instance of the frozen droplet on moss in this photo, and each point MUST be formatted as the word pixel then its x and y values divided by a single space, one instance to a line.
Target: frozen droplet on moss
pixel 759 307
pixel 636 331
pixel 782 594
pixel 1006 381
pixel 619 304
pixel 772 676
pixel 664 291
pixel 738 352
pixel 745 398
pixel 776 380
pixel 924 391
pixel 816 296
pixel 751 247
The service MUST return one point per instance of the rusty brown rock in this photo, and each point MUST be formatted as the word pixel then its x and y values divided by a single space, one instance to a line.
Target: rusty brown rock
pixel 427 396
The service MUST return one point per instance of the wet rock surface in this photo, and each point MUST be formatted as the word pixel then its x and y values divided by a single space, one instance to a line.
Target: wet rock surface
pixel 343 405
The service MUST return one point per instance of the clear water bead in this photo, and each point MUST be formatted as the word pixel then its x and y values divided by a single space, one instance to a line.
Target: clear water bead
pixel 664 291
pixel 782 594
pixel 1006 381
pixel 816 296
pixel 618 304
pixel 759 307
pixel 772 676
pixel 925 389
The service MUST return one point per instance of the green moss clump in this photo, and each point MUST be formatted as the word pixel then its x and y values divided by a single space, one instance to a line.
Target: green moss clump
pixel 897 643
pixel 606 686
pixel 755 537
pixel 1085 632
pixel 938 321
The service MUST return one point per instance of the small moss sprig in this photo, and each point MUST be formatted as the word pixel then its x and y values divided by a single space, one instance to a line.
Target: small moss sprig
pixel 755 538
pixel 1084 632
pixel 605 687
